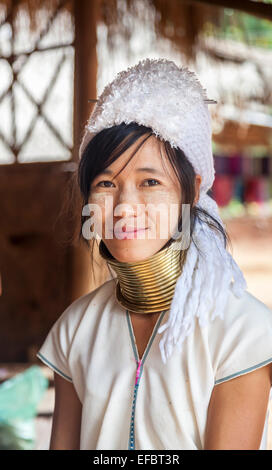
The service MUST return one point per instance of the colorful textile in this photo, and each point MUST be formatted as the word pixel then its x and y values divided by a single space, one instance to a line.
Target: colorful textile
pixel 223 189
pixel 235 164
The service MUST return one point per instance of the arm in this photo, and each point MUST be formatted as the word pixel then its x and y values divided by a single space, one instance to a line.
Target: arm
pixel 237 411
pixel 65 434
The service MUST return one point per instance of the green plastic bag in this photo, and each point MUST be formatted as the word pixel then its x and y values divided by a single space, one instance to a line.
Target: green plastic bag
pixel 19 399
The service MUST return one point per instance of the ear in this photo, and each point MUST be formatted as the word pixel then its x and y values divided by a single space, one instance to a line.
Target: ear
pixel 198 180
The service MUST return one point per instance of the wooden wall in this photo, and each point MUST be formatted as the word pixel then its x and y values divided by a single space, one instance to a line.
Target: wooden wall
pixel 34 267
pixel 42 273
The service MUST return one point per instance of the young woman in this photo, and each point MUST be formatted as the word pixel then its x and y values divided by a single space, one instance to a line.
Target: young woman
pixel 205 383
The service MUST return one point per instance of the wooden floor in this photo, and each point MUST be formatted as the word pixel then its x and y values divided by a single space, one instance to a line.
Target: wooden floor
pixel 252 250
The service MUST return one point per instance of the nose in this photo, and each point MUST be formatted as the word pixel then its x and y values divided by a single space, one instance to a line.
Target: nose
pixel 126 202
pixel 125 209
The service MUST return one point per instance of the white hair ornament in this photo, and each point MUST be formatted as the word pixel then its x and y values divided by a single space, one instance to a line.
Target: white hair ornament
pixel 170 99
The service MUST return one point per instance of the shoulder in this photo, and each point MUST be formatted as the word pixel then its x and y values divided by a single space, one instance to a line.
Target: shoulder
pixel 100 294
pixel 94 301
pixel 247 311
pixel 58 351
pixel 241 340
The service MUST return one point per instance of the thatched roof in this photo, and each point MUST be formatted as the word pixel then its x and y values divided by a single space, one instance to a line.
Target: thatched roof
pixel 180 21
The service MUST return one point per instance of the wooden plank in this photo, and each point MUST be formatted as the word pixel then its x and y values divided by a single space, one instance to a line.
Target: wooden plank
pixel 260 9
pixel 85 77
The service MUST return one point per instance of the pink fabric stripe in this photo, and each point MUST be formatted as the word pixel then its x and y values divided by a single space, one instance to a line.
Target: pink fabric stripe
pixel 138 371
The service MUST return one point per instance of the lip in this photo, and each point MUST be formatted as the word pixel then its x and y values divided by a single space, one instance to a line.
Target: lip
pixel 129 232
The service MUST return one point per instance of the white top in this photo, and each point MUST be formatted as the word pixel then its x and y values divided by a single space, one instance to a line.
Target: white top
pixel 92 345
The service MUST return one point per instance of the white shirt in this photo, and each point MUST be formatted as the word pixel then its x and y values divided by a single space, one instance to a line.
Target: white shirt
pixel 92 344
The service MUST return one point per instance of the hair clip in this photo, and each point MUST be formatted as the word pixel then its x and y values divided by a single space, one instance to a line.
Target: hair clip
pixel 210 101
pixel 206 101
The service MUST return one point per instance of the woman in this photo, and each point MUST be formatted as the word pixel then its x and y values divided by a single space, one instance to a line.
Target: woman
pixel 205 383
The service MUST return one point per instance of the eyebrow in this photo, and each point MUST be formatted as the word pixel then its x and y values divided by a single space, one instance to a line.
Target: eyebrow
pixel 145 169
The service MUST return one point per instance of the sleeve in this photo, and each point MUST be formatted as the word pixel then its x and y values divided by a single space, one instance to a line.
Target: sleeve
pixel 54 351
pixel 242 341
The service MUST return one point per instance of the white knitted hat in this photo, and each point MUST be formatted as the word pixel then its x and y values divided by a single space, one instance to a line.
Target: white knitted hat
pixel 170 99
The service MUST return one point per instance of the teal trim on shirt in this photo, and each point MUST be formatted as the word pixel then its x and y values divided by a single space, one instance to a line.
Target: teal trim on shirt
pixel 151 339
pixel 244 371
pixel 131 441
pixel 48 363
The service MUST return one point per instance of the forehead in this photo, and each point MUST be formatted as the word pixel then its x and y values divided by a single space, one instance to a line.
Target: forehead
pixel 150 154
pixel 151 151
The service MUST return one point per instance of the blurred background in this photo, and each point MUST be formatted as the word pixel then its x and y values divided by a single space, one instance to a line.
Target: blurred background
pixel 55 55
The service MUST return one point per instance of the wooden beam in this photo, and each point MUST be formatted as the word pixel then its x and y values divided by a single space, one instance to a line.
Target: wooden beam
pixel 85 76
pixel 238 135
pixel 260 9
pixel 222 56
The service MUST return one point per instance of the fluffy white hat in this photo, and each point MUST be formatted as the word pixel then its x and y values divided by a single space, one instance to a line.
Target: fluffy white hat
pixel 171 100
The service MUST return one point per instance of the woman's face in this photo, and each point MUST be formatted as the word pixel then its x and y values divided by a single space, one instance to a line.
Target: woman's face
pixel 137 211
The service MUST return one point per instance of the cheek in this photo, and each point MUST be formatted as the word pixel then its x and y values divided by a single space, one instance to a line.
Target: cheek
pixel 163 212
pixel 165 200
pixel 174 209
pixel 166 195
pixel 98 203
pixel 174 198
pixel 104 204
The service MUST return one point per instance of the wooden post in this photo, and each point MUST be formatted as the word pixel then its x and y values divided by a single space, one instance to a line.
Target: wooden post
pixel 85 77
pixel 86 17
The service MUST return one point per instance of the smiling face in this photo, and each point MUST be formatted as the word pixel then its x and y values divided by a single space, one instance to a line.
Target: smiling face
pixel 135 205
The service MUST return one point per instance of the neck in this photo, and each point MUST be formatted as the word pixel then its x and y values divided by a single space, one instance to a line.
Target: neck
pixel 147 286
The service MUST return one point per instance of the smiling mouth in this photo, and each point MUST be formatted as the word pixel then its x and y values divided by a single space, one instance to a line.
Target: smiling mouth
pixel 123 232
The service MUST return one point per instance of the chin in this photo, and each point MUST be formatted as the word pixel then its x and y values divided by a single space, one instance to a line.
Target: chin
pixel 130 251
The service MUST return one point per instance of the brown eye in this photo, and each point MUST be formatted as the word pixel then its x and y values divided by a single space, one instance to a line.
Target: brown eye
pixel 151 179
pixel 100 182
